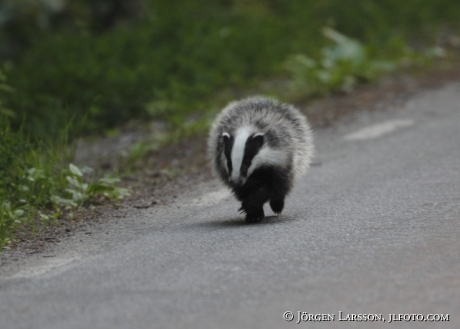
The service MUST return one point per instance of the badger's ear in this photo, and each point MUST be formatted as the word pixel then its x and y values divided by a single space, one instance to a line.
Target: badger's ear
pixel 225 135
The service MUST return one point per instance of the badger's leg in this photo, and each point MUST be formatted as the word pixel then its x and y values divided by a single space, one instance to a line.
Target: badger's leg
pixel 253 204
pixel 256 216
pixel 277 205
pixel 280 188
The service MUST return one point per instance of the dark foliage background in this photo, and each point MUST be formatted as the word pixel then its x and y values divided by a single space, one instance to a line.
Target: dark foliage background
pixel 102 63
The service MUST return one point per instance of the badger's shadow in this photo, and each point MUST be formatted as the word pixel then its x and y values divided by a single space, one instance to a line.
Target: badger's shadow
pixel 241 222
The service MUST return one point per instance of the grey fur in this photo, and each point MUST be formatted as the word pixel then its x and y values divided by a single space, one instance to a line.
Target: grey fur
pixel 288 143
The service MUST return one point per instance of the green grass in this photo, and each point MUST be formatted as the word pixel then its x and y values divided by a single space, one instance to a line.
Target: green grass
pixel 36 183
pixel 36 186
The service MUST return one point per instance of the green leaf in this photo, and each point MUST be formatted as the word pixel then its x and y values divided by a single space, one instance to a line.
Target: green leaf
pixel 18 213
pixel 43 216
pixel 84 187
pixel 121 192
pixel 99 188
pixel 74 170
pixel 74 181
pixel 61 201
pixel 86 170
pixel 76 195
pixel 108 181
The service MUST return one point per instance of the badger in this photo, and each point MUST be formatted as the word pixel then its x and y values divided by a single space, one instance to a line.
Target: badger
pixel 259 148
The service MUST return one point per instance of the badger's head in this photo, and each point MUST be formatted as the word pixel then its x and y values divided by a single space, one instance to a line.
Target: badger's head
pixel 242 154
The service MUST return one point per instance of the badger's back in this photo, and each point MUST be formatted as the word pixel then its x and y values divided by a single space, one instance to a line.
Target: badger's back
pixel 286 133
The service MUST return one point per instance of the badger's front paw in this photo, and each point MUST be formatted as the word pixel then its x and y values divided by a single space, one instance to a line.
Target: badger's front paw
pixel 256 216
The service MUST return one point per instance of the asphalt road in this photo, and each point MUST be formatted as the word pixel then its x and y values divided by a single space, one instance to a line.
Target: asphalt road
pixel 373 229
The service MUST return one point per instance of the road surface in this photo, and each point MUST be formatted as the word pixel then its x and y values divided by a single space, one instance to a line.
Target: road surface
pixel 374 229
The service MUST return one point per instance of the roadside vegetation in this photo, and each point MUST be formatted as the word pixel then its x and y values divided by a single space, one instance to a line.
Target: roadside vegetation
pixel 38 186
pixel 73 68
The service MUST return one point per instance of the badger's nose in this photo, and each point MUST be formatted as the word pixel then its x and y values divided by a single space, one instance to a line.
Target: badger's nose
pixel 236 181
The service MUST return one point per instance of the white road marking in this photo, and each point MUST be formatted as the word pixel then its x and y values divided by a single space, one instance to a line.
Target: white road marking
pixel 378 130
pixel 51 265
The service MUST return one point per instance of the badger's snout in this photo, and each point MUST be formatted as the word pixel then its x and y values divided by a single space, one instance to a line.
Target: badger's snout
pixel 236 181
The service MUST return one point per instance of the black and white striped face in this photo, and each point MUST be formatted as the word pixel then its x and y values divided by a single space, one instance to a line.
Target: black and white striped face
pixel 241 154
